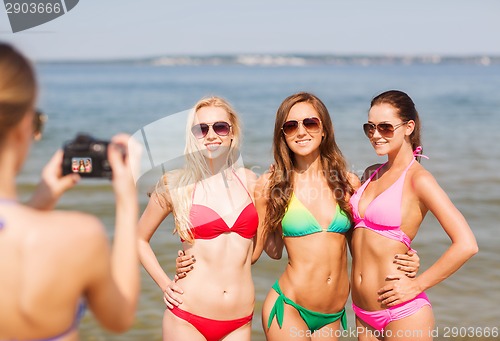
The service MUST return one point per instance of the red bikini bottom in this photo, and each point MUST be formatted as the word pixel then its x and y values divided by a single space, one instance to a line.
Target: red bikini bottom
pixel 212 330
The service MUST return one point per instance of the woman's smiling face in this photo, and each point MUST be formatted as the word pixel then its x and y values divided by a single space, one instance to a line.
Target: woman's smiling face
pixel 304 142
pixel 212 144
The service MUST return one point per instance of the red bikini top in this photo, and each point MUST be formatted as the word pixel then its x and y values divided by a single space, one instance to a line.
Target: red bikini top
pixel 208 224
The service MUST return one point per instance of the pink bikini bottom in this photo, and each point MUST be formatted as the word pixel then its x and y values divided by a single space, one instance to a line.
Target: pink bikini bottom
pixel 379 319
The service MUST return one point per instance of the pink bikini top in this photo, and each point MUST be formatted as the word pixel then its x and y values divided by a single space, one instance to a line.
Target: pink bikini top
pixel 208 224
pixel 383 214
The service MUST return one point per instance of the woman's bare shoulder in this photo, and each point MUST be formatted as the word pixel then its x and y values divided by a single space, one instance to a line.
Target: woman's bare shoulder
pixel 353 180
pixel 422 180
pixel 369 171
pixel 160 193
pixel 263 180
pixel 74 225
pixel 248 174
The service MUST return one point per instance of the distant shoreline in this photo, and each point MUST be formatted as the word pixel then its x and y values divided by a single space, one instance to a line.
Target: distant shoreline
pixel 291 60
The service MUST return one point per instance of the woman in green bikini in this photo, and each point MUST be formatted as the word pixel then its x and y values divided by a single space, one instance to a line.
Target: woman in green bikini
pixel 304 207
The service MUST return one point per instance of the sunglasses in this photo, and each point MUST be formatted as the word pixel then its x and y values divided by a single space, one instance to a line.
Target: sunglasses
pixel 39 120
pixel 385 129
pixel 311 124
pixel 220 128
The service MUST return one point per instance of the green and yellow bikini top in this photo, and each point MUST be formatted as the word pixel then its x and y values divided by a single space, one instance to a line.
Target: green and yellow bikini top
pixel 299 221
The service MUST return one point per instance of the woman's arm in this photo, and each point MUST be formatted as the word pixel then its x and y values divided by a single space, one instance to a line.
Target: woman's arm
pixel 463 243
pixel 152 217
pixel 268 241
pixel 355 184
pixel 113 290
pixel 52 184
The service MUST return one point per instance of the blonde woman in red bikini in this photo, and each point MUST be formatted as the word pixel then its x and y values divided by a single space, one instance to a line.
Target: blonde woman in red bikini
pixel 211 199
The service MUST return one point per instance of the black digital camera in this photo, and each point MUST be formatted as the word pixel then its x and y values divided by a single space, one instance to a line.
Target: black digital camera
pixel 87 157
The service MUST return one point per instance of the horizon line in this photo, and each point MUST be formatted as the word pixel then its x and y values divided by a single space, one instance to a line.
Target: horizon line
pixel 296 59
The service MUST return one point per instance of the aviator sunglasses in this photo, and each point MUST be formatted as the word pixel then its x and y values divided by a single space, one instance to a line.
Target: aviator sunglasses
pixel 39 120
pixel 220 128
pixel 385 129
pixel 311 124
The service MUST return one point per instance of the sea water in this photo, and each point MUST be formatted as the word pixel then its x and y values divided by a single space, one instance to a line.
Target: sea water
pixel 459 105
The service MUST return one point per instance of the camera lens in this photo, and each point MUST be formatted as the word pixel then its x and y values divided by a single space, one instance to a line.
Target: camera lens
pixel 98 148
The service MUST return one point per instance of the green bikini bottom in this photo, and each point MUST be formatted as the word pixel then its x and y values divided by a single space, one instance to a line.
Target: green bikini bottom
pixel 313 319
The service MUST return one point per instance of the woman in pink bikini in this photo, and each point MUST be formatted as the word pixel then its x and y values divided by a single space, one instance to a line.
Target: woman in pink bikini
pixel 212 203
pixel 388 210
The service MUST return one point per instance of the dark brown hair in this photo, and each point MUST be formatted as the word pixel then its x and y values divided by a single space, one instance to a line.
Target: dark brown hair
pixel 281 180
pixel 405 109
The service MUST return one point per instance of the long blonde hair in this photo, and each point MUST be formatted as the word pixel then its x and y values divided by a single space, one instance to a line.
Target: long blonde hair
pixel 17 88
pixel 175 188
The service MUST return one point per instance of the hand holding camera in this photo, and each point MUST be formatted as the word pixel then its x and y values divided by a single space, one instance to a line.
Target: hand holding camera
pixel 52 184
pixel 87 157
pixel 111 160
pixel 92 158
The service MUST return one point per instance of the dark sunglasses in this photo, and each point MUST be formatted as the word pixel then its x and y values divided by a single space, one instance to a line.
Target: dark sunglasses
pixel 220 128
pixel 385 129
pixel 311 124
pixel 39 120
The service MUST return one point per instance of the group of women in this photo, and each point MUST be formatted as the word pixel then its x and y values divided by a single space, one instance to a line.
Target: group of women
pixel 311 205
pixel 226 216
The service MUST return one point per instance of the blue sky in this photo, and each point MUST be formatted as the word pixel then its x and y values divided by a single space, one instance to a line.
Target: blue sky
pixel 108 29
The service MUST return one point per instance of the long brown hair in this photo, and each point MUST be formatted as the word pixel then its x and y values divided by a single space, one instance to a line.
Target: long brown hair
pixel 405 110
pixel 281 178
pixel 17 88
